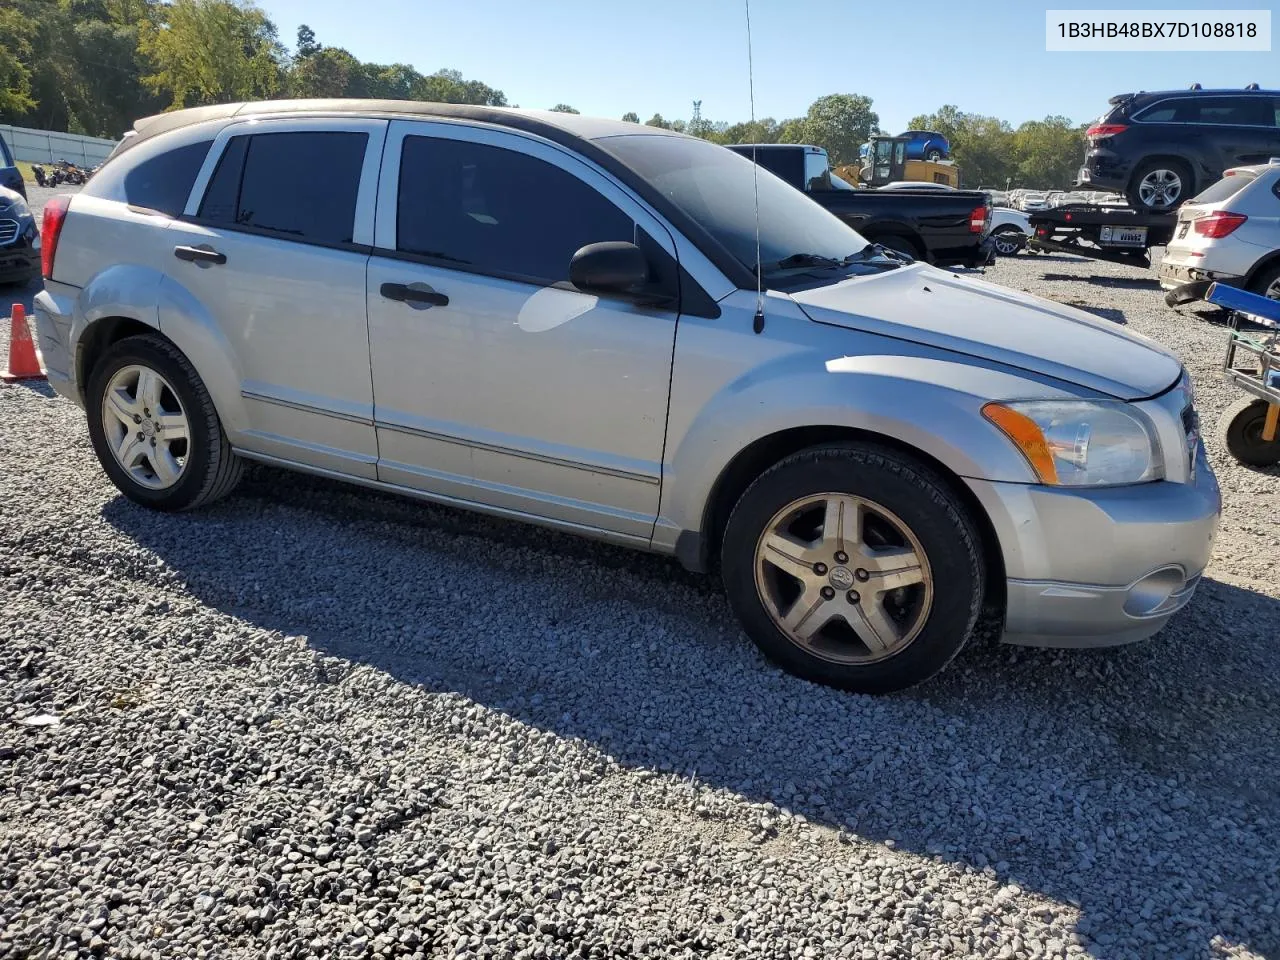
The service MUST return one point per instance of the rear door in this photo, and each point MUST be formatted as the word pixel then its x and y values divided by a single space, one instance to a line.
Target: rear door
pixel 274 246
pixel 507 386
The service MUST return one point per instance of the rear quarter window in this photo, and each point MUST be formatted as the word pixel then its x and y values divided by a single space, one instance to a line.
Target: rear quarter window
pixel 163 183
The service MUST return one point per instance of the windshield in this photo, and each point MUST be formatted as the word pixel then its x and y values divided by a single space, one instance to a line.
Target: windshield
pixel 713 186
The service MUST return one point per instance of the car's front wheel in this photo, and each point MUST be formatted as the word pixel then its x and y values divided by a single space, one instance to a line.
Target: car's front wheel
pixel 154 428
pixel 854 566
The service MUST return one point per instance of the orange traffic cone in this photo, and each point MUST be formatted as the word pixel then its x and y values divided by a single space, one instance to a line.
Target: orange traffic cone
pixel 23 364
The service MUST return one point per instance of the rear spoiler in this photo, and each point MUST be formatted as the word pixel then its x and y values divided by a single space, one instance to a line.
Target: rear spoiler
pixel 1120 98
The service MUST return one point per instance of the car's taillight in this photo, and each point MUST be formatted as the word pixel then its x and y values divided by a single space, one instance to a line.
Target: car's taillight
pixel 1100 130
pixel 1218 225
pixel 55 215
pixel 978 219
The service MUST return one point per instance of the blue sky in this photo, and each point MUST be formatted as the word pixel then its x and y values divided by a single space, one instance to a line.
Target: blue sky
pixel 607 57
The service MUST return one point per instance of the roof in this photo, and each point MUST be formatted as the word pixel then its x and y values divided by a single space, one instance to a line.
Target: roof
pixel 1193 92
pixel 544 122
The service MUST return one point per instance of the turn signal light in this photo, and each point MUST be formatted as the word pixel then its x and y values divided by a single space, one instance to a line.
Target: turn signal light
pixel 1218 225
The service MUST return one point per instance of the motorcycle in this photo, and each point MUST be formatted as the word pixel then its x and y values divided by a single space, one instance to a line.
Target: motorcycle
pixel 42 178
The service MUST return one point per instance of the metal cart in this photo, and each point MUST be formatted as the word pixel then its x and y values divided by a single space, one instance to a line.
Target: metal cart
pixel 1250 428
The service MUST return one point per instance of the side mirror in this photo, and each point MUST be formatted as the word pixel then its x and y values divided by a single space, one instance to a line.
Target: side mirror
pixel 610 267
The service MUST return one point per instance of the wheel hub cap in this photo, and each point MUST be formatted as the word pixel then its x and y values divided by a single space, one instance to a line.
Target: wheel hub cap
pixel 807 588
pixel 145 427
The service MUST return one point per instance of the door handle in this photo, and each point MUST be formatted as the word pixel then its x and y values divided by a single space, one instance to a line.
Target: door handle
pixel 407 294
pixel 199 255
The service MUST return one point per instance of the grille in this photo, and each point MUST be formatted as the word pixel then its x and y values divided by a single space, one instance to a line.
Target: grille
pixel 8 231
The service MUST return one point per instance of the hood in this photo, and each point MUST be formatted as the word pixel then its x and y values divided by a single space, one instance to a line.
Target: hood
pixel 933 307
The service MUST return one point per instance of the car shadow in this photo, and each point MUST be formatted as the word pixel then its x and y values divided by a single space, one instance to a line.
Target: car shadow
pixel 1097 280
pixel 1205 738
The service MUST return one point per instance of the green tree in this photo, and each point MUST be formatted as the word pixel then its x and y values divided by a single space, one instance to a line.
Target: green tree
pixel 15 53
pixel 563 108
pixel 631 117
pixel 329 72
pixel 213 51
pixel 306 45
pixel 657 121
pixel 1047 152
pixel 447 86
pixel 982 147
pixel 840 123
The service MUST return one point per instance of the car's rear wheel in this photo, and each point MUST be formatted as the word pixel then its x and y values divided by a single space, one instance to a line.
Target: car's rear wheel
pixel 854 566
pixel 154 427
pixel 900 243
pixel 1159 186
pixel 1267 283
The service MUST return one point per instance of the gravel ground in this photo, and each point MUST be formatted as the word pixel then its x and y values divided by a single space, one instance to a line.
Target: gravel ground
pixel 313 721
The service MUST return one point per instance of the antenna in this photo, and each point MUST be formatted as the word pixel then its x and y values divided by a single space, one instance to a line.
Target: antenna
pixel 757 324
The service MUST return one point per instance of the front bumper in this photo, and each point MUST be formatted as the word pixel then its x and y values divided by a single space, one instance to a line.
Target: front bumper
pixel 19 263
pixel 1100 567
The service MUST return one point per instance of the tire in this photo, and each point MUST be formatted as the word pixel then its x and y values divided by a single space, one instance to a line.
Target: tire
pixel 900 243
pixel 207 468
pixel 1012 238
pixel 906 511
pixel 1267 283
pixel 1157 174
pixel 1240 430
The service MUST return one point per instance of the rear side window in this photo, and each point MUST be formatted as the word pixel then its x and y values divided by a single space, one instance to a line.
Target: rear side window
pixel 301 185
pixel 6 158
pixel 1249 111
pixel 1225 188
pixel 498 211
pixel 164 182
pixel 1162 114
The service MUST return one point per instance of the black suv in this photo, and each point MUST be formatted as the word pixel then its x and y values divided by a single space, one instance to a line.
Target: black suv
pixel 1160 149
pixel 10 175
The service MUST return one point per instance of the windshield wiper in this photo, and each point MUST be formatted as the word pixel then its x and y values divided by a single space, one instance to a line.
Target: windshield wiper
pixel 798 261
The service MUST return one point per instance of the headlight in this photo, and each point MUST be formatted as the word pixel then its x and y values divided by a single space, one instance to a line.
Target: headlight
pixel 1077 443
pixel 16 208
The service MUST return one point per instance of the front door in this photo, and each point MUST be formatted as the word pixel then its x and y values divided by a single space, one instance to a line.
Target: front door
pixel 274 251
pixel 495 380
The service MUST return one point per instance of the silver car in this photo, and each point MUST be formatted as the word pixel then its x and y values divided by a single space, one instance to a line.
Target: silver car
pixel 1228 233
pixel 555 319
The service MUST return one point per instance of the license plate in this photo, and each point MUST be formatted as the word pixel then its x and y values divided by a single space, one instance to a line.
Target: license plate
pixel 1182 228
pixel 1124 236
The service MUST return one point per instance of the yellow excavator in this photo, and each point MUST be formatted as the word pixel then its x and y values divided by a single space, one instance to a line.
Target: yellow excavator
pixel 887 162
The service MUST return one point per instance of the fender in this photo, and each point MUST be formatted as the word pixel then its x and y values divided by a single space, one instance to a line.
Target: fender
pixel 120 291
pixel 194 330
pixel 919 396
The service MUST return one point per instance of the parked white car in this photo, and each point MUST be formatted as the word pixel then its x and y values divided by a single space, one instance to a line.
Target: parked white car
pixel 1229 233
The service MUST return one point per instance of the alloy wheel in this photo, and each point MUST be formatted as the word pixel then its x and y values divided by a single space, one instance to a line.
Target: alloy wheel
pixel 843 578
pixel 1160 189
pixel 1006 242
pixel 146 427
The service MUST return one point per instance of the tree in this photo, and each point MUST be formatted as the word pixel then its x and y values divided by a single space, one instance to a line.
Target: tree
pixel 982 147
pixel 840 123
pixel 213 51
pixel 328 72
pixel 631 117
pixel 307 45
pixel 563 108
pixel 447 86
pixel 1047 152
pixel 657 121
pixel 15 78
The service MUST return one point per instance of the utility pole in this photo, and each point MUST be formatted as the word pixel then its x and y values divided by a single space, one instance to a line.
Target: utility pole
pixel 695 124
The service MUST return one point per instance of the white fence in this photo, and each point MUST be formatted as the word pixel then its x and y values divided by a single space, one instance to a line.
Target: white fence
pixel 46 146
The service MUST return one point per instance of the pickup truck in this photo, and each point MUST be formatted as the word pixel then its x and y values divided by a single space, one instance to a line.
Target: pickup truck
pixel 944 228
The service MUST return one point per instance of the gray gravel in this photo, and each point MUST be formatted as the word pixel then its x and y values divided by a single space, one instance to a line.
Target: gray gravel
pixel 312 721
